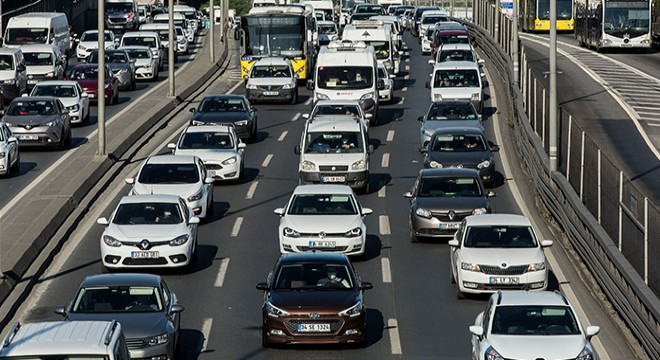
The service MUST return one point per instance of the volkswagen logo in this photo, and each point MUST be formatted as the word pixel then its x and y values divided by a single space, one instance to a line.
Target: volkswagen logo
pixel 144 244
pixel 314 315
pixel 451 214
pixel 322 235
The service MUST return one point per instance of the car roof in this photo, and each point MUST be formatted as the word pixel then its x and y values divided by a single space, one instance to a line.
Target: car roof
pixel 456 47
pixel 9 50
pixel 171 159
pixel 522 297
pixel 140 33
pixel 455 65
pixel 223 96
pixel 152 198
pixel 208 128
pixel 139 279
pixel 334 123
pixel 56 83
pixel 336 102
pixel 497 219
pixel 441 172
pixel 324 22
pixel 134 47
pixel 85 66
pixel 459 130
pixel 449 102
pixel 314 256
pixel 322 189
pixel 35 98
pixel 37 48
pixel 272 61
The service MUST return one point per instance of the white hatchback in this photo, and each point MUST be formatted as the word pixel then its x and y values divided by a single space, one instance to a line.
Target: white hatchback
pixel 89 41
pixel 70 94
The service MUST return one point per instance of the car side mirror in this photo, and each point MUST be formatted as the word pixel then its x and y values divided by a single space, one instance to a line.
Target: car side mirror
pixel 20 68
pixel 408 195
pixel 305 116
pixel 477 331
pixel 279 211
pixel 546 243
pixel 494 148
pixel 102 221
pixel 423 149
pixel 432 62
pixel 592 331
pixel 11 139
pixel 365 285
pixel 421 118
pixel 192 110
pixel 491 194
pixel 381 84
pixel 262 286
pixel 84 95
pixel 296 150
pixel 368 116
pixel 242 145
pixel 485 83
pixel 209 180
pixel 310 85
pixel 453 242
pixel 171 146
pixel 367 211
pixel 130 181
pixel 176 308
pixel 392 76
pixel 60 310
pixel 194 220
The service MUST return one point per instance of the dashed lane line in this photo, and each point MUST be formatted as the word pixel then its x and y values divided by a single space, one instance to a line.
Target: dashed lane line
pixel 381 192
pixel 395 341
pixel 237 227
pixel 220 279
pixel 386 160
pixel 296 117
pixel 267 160
pixel 385 268
pixel 206 331
pixel 384 224
pixel 251 190
pixel 390 135
pixel 284 133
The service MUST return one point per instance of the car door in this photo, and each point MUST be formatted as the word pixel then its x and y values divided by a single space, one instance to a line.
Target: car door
pixel 187 214
pixel 455 250
pixel 203 174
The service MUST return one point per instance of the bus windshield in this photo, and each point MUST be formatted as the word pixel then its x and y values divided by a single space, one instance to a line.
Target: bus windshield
pixel 345 77
pixel 629 17
pixel 564 9
pixel 275 36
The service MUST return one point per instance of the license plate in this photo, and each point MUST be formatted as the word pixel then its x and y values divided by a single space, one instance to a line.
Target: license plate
pixel 322 244
pixel 271 93
pixel 33 81
pixel 28 137
pixel 145 254
pixel 314 328
pixel 504 280
pixel 91 95
pixel 327 179
pixel 449 225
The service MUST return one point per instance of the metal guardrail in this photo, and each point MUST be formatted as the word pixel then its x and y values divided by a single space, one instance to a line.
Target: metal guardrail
pixel 628 292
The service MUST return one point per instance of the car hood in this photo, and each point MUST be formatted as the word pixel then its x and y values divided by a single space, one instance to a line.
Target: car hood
pixel 293 301
pixel 39 69
pixel 7 74
pixel 209 155
pixel 334 158
pixel 69 101
pixel 117 66
pixel 217 117
pixel 538 347
pixel 95 44
pixel 88 83
pixel 183 190
pixel 498 256
pixel 431 125
pixel 317 223
pixel 469 159
pixel 456 92
pixel 449 203
pixel 153 232
pixel 134 325
pixel 274 81
pixel 142 62
pixel 29 119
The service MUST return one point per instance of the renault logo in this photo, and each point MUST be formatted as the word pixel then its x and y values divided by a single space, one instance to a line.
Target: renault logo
pixel 314 315
pixel 322 235
pixel 451 214
pixel 144 244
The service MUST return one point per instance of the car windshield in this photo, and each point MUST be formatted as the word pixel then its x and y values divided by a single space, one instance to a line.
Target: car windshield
pixel 456 55
pixel 322 204
pixel 94 36
pixel 139 53
pixel 24 36
pixel 458 143
pixel 434 19
pixel 118 299
pixel 451 112
pixel 449 187
pixel 499 237
pixel 382 73
pixel 149 41
pixel 382 49
pixel 336 110
pixel 456 78
pixel 327 29
pixel 169 174
pixel 213 105
pixel 40 58
pixel 84 73
pixel 534 320
pixel 147 214
pixel 118 7
pixel 60 91
pixel 115 57
pixel 206 140
pixel 313 276
pixel 6 62
pixel 333 142
pixel 345 77
pixel 41 107
pixel 270 71
pixel 451 39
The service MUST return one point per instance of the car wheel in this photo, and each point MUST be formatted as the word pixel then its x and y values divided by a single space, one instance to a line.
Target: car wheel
pixel 155 77
pixel 133 85
pixel 264 342
pixel 17 165
pixel 67 143
pixel 253 132
pixel 241 174
pixel 9 167
pixel 209 207
pixel 115 99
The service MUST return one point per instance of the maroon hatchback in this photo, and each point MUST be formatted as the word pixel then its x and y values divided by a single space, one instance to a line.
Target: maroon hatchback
pixel 87 76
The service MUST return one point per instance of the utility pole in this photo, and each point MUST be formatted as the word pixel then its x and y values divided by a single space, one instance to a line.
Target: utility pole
pixel 552 134
pixel 100 93
pixel 514 46
pixel 170 52
pixel 211 32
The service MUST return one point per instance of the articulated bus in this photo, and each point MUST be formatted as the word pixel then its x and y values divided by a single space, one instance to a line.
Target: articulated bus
pixel 606 24
pixel 535 15
pixel 285 31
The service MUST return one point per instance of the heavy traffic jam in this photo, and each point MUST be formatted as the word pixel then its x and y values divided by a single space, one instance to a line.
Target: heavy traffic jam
pixel 349 59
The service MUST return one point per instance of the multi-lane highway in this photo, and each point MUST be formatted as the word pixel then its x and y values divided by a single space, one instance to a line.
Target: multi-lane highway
pixel 413 312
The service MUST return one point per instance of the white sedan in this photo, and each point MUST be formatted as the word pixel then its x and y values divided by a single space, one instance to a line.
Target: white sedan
pixel 149 231
pixel 180 175
pixel 10 158
pixel 146 65
pixel 323 218
pixel 70 94
pixel 89 41
pixel 218 147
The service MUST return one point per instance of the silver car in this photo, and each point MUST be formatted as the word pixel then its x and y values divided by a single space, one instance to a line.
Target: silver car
pixel 39 121
pixel 70 94
pixel 10 158
pixel 121 64
pixel 146 65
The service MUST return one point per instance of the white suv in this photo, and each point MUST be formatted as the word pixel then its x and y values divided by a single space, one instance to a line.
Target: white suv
pixel 491 252
pixel 335 150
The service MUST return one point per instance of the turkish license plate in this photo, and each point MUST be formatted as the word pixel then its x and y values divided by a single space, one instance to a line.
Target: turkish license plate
pixel 504 280
pixel 91 95
pixel 322 244
pixel 445 226
pixel 33 81
pixel 327 179
pixel 145 254
pixel 28 137
pixel 314 328
pixel 271 93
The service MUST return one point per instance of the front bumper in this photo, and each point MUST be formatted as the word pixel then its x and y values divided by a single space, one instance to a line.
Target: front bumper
pixel 433 227
pixel 38 136
pixel 130 255
pixel 145 73
pixel 223 172
pixel 480 283
pixel 75 116
pixel 274 95
pixel 354 179
pixel 140 351
pixel 124 79
pixel 385 95
pixel 343 329
pixel 350 246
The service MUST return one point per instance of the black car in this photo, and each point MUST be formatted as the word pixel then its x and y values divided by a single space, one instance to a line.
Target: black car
pixel 313 298
pixel 227 109
pixel 462 148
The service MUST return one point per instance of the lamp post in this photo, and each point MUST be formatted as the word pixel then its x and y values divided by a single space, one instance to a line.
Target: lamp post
pixel 552 133
pixel 211 32
pixel 170 52
pixel 100 93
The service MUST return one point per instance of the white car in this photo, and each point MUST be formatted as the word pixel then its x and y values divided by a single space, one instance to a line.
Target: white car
pixel 386 94
pixel 149 231
pixel 491 252
pixel 181 41
pixel 89 41
pixel 10 158
pixel 530 325
pixel 339 107
pixel 146 65
pixel 323 218
pixel 70 94
pixel 218 147
pixel 181 175
pixel 427 41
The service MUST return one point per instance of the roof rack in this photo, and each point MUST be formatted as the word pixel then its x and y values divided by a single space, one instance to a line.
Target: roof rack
pixel 109 332
pixel 347 45
pixel 367 24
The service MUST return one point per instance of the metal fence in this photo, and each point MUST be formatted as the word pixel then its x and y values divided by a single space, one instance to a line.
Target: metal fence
pixel 607 217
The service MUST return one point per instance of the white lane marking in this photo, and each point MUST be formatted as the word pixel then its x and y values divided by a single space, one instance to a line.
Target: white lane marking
pixel 283 135
pixel 390 135
pixel 386 160
pixel 384 224
pixel 296 116
pixel 407 67
pixel 517 196
pixel 405 88
pixel 235 87
pixel 206 331
pixel 309 101
pixel 385 267
pixel 395 341
pixel 237 227
pixel 220 279
pixel 381 192
pixel 267 160
pixel 402 100
pixel 251 190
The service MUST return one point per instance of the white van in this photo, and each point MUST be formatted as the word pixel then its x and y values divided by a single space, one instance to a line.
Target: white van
pixel 65 340
pixel 458 80
pixel 43 62
pixel 346 70
pixel 13 73
pixel 374 33
pixel 163 30
pixel 38 28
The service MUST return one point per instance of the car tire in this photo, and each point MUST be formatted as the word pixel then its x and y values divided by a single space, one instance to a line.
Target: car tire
pixel 264 343
pixel 115 99
pixel 209 208
pixel 156 75
pixel 253 133
pixel 133 84
pixel 85 119
pixel 241 174
pixel 9 167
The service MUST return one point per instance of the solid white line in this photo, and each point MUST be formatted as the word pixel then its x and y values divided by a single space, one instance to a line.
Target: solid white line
pixel 235 87
pixel 309 101
pixel 384 224
pixel 296 116
pixel 251 190
pixel 407 67
pixel 282 136
pixel 267 160
pixel 407 59
pixel 381 192
pixel 385 268
pixel 237 227
pixel 206 331
pixel 220 279
pixel 390 135
pixel 386 160
pixel 395 341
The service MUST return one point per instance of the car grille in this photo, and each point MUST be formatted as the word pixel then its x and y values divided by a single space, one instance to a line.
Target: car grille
pixel 144 262
pixel 269 88
pixel 335 326
pixel 324 249
pixel 442 215
pixel 213 166
pixel 496 270
pixel 505 287
pixel 327 235
pixel 116 19
pixel 333 167
pixel 136 343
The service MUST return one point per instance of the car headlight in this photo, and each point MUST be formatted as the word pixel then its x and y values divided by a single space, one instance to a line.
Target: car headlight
pixel 367 96
pixel 82 47
pixel 536 267
pixel 288 86
pixel 10 81
pixel 484 164
pixel 423 213
pixel 434 164
pixel 289 232
pixel 321 96
pixel 359 165
pixel 274 311
pixel 476 96
pixel 196 196
pixel 11 125
pixel 308 166
pixel 197 123
pixel 179 240
pixel 353 232
pixel 479 211
pixel 437 97
pixel 157 340
pixel 585 354
pixel 50 74
pixel 250 86
pixel 50 123
pixel 352 311
pixel 241 123
pixel 75 107
pixel 470 267
pixel 491 354
pixel 181 40
pixel 110 241
pixel 229 161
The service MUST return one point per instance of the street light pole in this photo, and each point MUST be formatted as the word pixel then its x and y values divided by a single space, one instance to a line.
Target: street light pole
pixel 211 32
pixel 100 93
pixel 552 133
pixel 514 44
pixel 170 52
